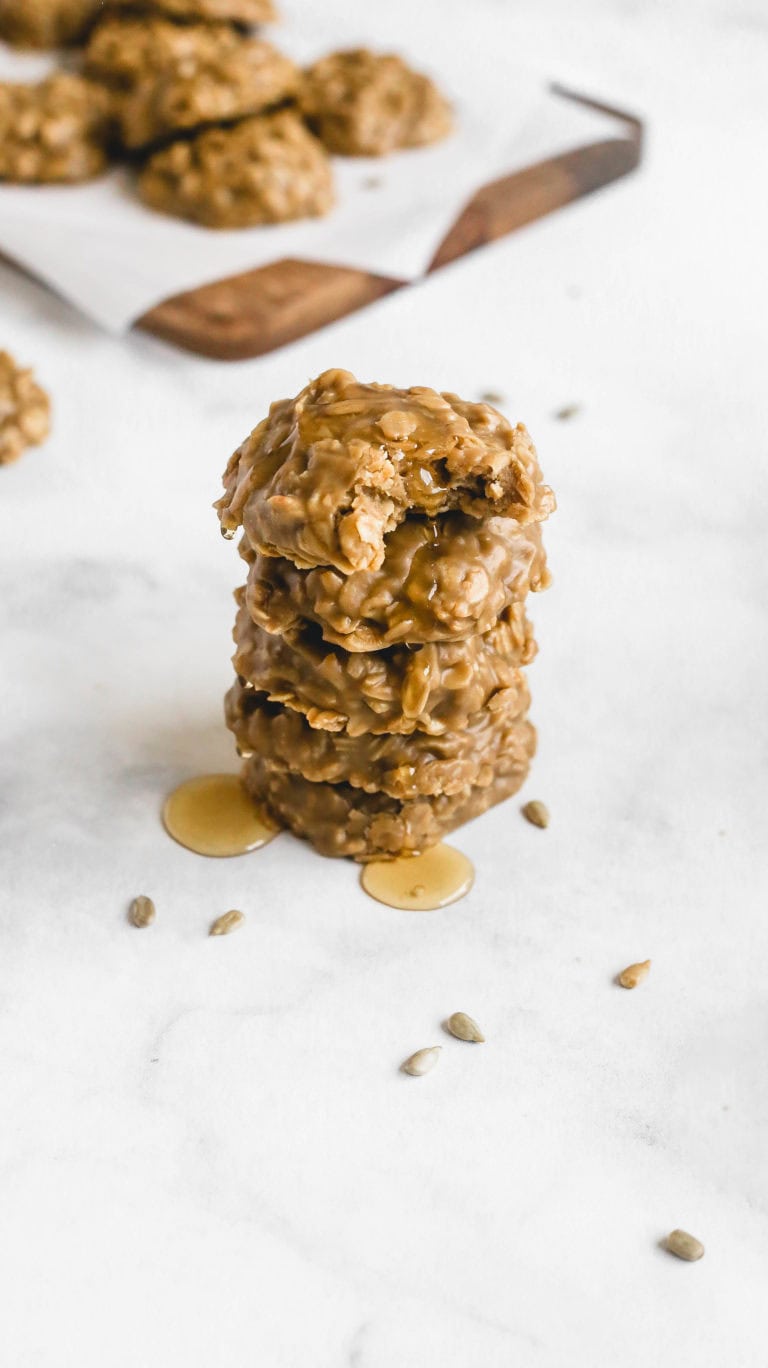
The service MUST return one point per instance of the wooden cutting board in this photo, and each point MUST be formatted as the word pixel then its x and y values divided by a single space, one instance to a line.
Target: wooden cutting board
pixel 256 311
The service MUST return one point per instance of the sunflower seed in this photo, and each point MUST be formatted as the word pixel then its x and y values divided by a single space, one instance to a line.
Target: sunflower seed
pixel 684 1246
pixel 142 911
pixel 635 974
pixel 228 921
pixel 464 1028
pixel 422 1061
pixel 536 813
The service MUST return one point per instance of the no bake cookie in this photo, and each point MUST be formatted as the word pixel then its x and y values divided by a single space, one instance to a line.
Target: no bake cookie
pixel 55 130
pixel 441 579
pixel 245 12
pixel 433 688
pixel 366 104
pixel 25 411
pixel 124 50
pixel 225 79
pixel 267 169
pixel 327 475
pixel 392 538
pixel 341 820
pixel 46 23
pixel 402 766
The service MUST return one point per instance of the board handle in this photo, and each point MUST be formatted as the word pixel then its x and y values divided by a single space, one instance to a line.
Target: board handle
pixel 257 311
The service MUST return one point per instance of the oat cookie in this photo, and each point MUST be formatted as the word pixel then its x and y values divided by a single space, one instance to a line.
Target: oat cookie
pixel 434 688
pixel 124 49
pixel 230 11
pixel 245 12
pixel 341 820
pixel 46 23
pixel 267 169
pixel 56 130
pixel 25 410
pixel 327 475
pixel 366 104
pixel 402 766
pixel 243 77
pixel 440 580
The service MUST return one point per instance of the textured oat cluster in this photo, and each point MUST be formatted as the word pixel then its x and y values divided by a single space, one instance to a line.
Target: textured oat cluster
pixel 123 51
pixel 364 456
pixel 263 170
pixel 220 126
pixel 245 12
pixel 55 130
pixel 364 104
pixel 243 78
pixel 391 538
pixel 24 410
pixel 46 23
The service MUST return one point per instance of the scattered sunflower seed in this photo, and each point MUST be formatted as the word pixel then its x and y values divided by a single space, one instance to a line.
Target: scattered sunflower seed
pixel 635 974
pixel 422 1061
pixel 491 397
pixel 464 1028
pixel 228 921
pixel 142 911
pixel 684 1246
pixel 536 813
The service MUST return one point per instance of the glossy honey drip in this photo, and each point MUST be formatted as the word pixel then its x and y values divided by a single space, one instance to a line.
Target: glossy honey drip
pixel 420 883
pixel 213 815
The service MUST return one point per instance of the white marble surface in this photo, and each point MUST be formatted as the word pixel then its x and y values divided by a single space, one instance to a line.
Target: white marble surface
pixel 208 1158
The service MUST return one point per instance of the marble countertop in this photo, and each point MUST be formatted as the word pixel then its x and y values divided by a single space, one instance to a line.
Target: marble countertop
pixel 208 1156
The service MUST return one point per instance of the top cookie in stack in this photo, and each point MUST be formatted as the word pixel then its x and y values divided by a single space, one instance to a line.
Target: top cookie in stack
pixel 400 527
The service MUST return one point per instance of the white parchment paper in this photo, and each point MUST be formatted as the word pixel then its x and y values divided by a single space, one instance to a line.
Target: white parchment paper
pixel 101 248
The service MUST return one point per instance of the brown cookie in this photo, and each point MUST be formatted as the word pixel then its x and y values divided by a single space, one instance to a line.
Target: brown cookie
pixel 434 688
pixel 46 23
pixel 245 12
pixel 227 78
pixel 440 580
pixel 366 104
pixel 25 410
pixel 56 130
pixel 327 475
pixel 123 50
pixel 341 820
pixel 267 169
pixel 403 766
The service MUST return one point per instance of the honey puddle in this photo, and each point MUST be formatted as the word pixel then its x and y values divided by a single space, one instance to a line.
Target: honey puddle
pixel 213 815
pixel 420 883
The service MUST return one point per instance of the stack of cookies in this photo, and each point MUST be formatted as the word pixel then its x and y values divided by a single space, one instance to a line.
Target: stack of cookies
pixel 391 538
pixel 224 129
